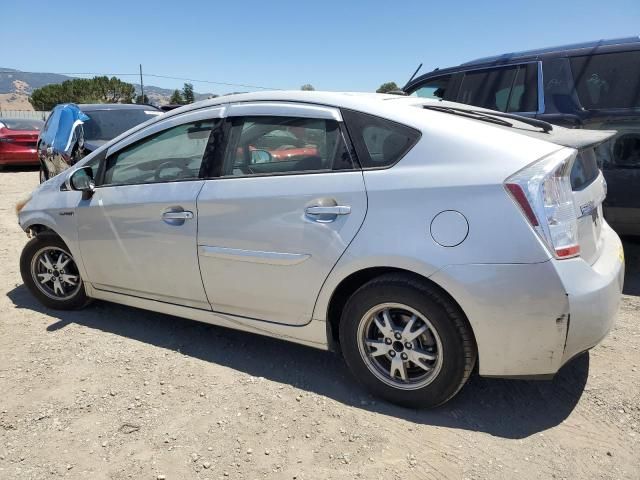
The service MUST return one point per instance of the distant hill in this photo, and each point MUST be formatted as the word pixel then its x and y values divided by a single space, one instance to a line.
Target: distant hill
pixel 16 86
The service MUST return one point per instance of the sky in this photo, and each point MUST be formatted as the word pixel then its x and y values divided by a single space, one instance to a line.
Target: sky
pixel 333 45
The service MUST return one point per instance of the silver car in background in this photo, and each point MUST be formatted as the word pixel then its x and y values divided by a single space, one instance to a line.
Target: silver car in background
pixel 423 238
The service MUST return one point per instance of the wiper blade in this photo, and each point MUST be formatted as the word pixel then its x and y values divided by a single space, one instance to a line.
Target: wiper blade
pixel 546 127
pixel 469 113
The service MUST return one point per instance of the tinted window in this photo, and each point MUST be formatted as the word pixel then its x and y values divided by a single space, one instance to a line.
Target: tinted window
pixel 173 154
pixel 585 169
pixel 434 88
pixel 379 142
pixel 21 124
pixel 277 145
pixel 609 80
pixel 508 89
pixel 108 124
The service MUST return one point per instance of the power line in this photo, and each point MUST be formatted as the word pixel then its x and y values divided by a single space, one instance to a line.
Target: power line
pixel 228 84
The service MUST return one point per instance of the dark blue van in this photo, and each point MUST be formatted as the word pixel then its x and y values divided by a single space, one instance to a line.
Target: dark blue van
pixel 593 85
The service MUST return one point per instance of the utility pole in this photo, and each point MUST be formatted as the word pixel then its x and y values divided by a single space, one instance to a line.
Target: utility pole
pixel 141 86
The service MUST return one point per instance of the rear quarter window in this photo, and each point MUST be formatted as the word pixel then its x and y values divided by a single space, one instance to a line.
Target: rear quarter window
pixel 379 142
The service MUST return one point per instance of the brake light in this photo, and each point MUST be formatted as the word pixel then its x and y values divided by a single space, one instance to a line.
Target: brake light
pixel 543 192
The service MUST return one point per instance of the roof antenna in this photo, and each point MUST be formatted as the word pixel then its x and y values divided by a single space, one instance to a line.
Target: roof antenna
pixel 412 76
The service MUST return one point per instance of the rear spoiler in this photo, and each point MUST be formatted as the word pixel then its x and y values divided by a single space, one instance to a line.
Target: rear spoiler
pixel 571 137
pixel 578 138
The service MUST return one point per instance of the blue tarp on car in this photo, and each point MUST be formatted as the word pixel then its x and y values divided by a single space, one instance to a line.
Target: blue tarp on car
pixel 61 129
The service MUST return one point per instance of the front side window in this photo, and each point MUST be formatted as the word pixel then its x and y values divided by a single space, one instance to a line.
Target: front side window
pixel 507 89
pixel 170 155
pixel 433 88
pixel 280 145
pixel 610 80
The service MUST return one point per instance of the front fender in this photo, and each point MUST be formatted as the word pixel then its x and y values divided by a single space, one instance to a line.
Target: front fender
pixel 60 221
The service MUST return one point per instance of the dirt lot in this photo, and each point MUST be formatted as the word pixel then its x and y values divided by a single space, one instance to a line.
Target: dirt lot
pixel 114 392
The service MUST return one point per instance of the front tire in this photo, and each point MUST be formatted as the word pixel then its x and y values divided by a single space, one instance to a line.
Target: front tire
pixel 51 274
pixel 406 341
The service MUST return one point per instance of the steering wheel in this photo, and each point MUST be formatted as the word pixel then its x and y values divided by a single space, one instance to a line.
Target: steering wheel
pixel 184 170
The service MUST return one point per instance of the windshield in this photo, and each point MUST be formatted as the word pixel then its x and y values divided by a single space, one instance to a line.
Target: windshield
pixel 21 124
pixel 108 124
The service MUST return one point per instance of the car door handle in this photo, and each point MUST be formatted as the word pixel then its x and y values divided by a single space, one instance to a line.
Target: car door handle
pixel 185 215
pixel 328 210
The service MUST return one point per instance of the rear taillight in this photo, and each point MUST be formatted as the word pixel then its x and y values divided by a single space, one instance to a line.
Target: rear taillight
pixel 542 190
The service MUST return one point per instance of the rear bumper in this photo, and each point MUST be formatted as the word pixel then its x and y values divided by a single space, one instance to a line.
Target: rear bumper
pixel 19 157
pixel 594 293
pixel 530 319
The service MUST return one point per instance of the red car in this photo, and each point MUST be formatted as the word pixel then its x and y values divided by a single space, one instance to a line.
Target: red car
pixel 18 138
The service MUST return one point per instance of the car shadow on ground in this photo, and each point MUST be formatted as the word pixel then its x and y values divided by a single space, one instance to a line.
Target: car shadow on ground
pixel 509 409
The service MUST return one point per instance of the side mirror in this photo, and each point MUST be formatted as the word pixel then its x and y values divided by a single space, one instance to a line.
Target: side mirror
pixel 81 180
pixel 261 156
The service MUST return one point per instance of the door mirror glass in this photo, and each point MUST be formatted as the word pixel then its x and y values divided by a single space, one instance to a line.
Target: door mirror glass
pixel 81 180
pixel 261 156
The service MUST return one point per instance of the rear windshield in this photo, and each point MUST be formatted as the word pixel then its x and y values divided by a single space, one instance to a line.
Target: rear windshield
pixel 108 124
pixel 610 80
pixel 21 124
pixel 585 169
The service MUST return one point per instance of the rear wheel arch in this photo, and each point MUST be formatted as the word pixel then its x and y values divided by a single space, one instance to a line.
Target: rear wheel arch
pixel 350 284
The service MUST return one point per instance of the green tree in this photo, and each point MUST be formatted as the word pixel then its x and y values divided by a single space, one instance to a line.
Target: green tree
pixel 387 87
pixel 307 87
pixel 187 93
pixel 176 98
pixel 142 100
pixel 83 90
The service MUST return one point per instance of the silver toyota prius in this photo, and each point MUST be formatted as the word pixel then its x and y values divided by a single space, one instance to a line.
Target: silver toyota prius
pixel 423 239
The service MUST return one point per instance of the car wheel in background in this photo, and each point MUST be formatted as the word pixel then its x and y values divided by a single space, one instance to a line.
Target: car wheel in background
pixel 44 173
pixel 51 274
pixel 406 341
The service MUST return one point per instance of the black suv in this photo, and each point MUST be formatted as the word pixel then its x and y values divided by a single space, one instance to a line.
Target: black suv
pixel 593 85
pixel 73 131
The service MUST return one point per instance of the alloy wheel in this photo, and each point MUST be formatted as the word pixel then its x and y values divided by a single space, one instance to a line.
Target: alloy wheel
pixel 55 273
pixel 400 346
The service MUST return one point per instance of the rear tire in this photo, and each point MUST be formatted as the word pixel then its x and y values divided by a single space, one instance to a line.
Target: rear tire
pixel 51 274
pixel 407 341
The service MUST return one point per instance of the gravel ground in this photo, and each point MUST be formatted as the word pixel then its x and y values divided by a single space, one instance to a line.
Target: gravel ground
pixel 114 392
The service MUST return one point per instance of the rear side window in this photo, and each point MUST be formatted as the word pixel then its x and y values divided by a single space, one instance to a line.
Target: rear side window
pixel 507 89
pixel 379 142
pixel 610 80
pixel 265 145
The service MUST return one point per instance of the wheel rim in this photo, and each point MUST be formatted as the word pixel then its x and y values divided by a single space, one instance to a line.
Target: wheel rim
pixel 55 273
pixel 400 346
